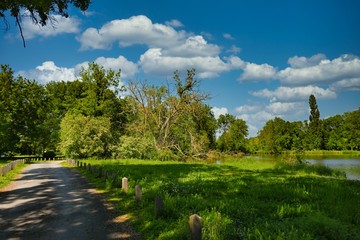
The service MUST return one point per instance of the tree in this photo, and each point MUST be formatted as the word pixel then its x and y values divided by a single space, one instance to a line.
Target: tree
pixel 24 114
pixel 276 136
pixel 8 138
pixel 85 136
pixel 314 133
pixel 39 11
pixel 233 132
pixel 179 122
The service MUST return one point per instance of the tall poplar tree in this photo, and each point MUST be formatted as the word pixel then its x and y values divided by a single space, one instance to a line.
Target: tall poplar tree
pixel 314 129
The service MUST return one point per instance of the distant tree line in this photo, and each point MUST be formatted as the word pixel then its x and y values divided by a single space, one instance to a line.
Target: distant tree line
pixel 339 132
pixel 88 118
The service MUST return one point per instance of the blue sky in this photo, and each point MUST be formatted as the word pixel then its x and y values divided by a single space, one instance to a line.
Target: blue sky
pixel 257 59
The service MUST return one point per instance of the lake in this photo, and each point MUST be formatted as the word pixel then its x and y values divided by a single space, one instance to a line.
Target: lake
pixel 351 166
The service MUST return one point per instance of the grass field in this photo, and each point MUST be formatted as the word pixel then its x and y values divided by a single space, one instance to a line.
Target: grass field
pixel 244 199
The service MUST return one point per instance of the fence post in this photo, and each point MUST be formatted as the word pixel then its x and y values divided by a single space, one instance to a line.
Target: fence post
pixel 195 223
pixel 114 178
pixel 138 193
pixel 124 184
pixel 158 206
pixel 99 172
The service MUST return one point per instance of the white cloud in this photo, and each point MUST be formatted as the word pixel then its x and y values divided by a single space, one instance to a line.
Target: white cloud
pixel 352 84
pixel 219 111
pixel 174 23
pixel 234 49
pixel 48 71
pixel 127 32
pixel 193 46
pixel 154 62
pixel 128 68
pixel 247 108
pixel 284 108
pixel 318 70
pixel 303 62
pixel 58 26
pixel 294 94
pixel 228 36
pixel 254 72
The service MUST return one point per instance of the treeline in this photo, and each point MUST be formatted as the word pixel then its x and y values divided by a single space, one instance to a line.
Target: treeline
pixel 94 117
pixel 339 132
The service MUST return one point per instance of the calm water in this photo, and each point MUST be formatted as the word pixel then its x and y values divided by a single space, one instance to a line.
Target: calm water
pixel 351 166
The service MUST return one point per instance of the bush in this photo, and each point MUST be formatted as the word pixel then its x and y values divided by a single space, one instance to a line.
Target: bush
pixel 135 147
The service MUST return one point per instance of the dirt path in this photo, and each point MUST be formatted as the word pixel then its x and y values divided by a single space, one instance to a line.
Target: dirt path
pixel 49 201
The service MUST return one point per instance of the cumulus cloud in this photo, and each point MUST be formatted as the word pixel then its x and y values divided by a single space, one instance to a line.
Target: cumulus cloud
pixel 128 68
pixel 284 108
pixel 174 23
pixel 219 111
pixel 303 62
pixel 228 36
pixel 193 46
pixel 48 71
pixel 135 30
pixel 255 72
pixel 293 94
pixel 319 70
pixel 154 62
pixel 59 25
pixel 352 84
pixel 233 49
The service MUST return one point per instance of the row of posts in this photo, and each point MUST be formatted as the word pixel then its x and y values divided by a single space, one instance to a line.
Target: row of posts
pixel 10 166
pixel 195 221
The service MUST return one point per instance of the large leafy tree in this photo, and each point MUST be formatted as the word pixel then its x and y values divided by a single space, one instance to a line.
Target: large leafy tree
pixel 175 119
pixel 24 114
pixel 8 137
pixel 85 136
pixel 233 132
pixel 276 136
pixel 40 11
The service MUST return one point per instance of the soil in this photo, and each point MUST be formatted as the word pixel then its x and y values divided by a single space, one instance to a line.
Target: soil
pixel 49 201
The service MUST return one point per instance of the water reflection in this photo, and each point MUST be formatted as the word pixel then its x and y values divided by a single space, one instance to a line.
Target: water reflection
pixel 350 166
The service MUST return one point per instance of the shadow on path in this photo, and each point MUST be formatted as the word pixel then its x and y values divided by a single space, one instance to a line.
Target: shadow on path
pixel 48 201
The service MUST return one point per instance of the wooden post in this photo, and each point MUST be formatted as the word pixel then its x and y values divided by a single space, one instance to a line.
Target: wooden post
pixel 195 223
pixel 138 193
pixel 158 206
pixel 114 178
pixel 124 184
pixel 99 172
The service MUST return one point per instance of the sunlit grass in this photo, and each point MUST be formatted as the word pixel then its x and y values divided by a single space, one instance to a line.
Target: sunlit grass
pixel 8 177
pixel 238 198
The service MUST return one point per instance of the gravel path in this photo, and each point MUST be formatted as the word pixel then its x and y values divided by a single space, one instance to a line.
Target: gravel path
pixel 49 201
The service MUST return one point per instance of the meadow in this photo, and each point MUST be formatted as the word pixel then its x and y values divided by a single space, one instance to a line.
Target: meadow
pixel 238 199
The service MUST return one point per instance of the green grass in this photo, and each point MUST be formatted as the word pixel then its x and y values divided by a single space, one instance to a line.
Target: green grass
pixel 8 177
pixel 239 199
pixel 4 162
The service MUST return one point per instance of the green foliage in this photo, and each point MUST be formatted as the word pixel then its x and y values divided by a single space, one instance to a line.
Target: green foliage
pixel 233 133
pixel 179 122
pixel 85 136
pixel 135 147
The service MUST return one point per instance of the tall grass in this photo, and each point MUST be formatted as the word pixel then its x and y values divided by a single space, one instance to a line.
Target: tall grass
pixel 238 199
